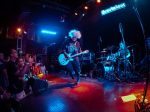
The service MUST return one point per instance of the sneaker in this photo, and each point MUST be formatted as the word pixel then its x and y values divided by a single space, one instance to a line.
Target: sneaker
pixel 78 81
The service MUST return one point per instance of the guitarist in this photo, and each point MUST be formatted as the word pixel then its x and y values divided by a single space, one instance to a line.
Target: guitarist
pixel 124 52
pixel 72 46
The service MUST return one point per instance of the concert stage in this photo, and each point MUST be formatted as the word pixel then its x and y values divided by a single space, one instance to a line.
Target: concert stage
pixel 90 95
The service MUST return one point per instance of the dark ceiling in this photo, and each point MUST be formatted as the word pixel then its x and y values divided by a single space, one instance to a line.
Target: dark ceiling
pixel 9 9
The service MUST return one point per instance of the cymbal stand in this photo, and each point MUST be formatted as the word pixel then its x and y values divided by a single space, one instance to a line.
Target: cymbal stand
pixel 122 35
pixel 133 60
pixel 125 63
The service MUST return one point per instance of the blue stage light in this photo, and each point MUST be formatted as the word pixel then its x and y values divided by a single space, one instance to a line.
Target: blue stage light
pixel 57 104
pixel 113 9
pixel 48 32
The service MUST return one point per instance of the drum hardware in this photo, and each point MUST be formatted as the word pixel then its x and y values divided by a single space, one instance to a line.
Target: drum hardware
pixel 88 57
pixel 103 55
pixel 103 52
pixel 113 67
pixel 116 65
pixel 111 48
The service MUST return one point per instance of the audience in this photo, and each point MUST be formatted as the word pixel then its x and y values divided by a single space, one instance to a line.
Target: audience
pixel 3 72
pixel 16 85
pixel 15 78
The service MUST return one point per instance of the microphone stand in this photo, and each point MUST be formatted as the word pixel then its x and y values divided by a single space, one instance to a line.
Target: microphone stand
pixel 144 35
pixel 99 45
pixel 125 48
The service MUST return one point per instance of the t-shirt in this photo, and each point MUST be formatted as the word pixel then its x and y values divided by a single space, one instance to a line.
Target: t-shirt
pixel 11 71
pixel 72 48
pixel 124 53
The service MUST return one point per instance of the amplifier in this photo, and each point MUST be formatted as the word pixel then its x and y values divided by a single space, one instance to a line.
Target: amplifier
pixel 39 85
pixel 88 56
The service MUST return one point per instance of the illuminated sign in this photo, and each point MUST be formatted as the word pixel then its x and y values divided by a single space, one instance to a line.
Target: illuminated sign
pixel 48 32
pixel 113 9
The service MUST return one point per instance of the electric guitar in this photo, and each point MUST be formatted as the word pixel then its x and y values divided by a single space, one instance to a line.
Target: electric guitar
pixel 64 59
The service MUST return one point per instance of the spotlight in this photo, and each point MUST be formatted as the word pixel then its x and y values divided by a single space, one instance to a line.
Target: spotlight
pixel 19 30
pixel 86 7
pixel 76 13
pixel 83 14
pixel 98 1
pixel 25 32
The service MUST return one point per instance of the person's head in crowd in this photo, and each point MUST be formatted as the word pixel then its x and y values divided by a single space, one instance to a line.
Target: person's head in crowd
pixel 1 56
pixel 13 54
pixel 7 58
pixel 31 60
pixel 27 57
pixel 21 62
pixel 34 57
pixel 122 45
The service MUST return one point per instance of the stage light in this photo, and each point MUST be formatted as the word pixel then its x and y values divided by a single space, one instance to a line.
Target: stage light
pixel 128 98
pixel 98 1
pixel 76 13
pixel 19 30
pixel 113 9
pixel 48 32
pixel 83 14
pixel 25 32
pixel 57 104
pixel 86 7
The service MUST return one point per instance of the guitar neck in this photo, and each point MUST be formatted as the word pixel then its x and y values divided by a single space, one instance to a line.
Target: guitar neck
pixel 77 54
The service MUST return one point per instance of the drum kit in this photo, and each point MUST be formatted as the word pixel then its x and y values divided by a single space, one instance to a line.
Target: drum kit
pixel 112 67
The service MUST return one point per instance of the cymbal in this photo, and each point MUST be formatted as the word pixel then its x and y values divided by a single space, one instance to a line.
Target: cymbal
pixel 131 45
pixel 111 47
pixel 105 49
pixel 103 52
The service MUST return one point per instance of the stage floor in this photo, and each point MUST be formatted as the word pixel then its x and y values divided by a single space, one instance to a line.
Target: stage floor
pixel 90 95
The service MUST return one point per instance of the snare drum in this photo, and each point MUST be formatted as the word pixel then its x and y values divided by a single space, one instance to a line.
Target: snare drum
pixel 108 67
pixel 109 70
pixel 105 68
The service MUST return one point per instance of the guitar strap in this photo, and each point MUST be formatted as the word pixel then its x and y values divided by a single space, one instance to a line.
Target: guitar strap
pixel 76 47
pixel 75 43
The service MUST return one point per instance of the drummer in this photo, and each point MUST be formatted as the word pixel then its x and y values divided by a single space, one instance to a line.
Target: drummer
pixel 123 51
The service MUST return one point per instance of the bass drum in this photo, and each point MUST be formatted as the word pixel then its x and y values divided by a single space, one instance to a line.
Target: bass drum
pixel 105 70
pixel 109 69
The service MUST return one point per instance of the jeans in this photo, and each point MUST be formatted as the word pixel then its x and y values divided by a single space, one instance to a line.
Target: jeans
pixel 73 68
